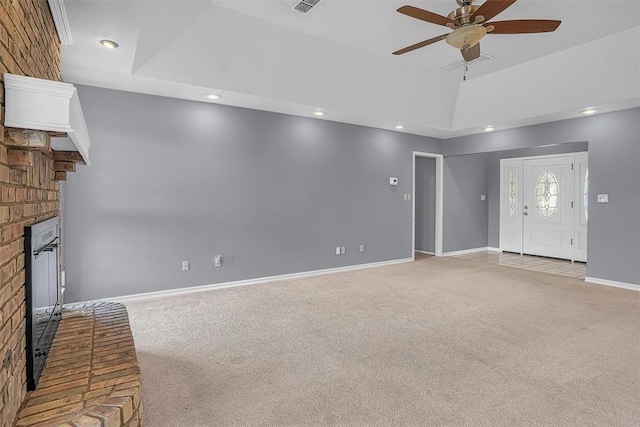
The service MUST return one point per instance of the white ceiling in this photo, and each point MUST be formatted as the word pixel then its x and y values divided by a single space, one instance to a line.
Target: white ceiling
pixel 264 55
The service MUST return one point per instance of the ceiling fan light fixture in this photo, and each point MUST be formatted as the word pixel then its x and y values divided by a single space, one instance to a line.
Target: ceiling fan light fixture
pixel 589 111
pixel 467 36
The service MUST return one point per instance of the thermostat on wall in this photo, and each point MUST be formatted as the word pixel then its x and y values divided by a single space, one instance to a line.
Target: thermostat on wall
pixel 393 181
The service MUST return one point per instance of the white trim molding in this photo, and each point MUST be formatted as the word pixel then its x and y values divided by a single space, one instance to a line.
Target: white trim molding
pixel 61 21
pixel 465 251
pixel 612 283
pixel 249 282
pixel 491 249
pixel 425 252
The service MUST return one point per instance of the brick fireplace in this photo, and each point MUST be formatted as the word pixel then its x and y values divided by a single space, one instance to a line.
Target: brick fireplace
pixel 29 190
pixel 91 376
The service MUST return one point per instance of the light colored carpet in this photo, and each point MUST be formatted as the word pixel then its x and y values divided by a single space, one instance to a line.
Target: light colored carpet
pixel 439 341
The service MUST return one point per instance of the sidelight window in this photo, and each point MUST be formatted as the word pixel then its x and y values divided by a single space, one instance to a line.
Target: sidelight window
pixel 585 194
pixel 512 194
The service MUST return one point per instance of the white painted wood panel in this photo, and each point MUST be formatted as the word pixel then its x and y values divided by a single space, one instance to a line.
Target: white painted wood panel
pixel 548 215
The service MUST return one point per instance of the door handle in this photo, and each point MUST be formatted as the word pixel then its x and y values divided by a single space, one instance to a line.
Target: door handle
pixel 525 213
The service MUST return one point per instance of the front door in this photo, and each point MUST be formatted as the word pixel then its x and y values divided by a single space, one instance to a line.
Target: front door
pixel 548 214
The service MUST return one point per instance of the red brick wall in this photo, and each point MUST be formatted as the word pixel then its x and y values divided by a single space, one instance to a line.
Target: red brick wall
pixel 29 46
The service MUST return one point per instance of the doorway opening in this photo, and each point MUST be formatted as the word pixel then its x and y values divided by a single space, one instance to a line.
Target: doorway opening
pixel 428 211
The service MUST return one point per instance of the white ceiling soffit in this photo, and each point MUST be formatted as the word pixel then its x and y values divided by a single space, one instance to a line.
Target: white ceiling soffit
pixel 264 55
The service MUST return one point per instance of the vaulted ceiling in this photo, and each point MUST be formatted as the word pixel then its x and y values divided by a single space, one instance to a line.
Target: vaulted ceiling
pixel 263 54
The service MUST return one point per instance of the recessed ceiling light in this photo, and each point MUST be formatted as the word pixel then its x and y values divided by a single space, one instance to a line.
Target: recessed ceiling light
pixel 489 128
pixel 318 113
pixel 109 44
pixel 589 111
pixel 399 126
pixel 212 96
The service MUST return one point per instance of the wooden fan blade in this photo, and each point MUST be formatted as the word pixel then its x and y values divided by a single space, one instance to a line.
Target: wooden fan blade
pixel 419 45
pixel 425 15
pixel 523 26
pixel 471 53
pixel 491 8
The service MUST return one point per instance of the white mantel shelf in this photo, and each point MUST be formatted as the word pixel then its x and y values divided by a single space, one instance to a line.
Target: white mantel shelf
pixel 47 105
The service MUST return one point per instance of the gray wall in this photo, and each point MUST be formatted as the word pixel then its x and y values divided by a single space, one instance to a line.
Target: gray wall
pixel 464 213
pixel 614 168
pixel 425 194
pixel 174 180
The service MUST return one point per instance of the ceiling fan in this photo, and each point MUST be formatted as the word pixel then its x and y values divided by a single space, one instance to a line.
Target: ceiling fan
pixel 470 23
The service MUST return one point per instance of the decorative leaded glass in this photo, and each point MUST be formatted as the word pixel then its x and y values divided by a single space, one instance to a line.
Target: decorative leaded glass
pixel 546 193
pixel 512 194
pixel 585 194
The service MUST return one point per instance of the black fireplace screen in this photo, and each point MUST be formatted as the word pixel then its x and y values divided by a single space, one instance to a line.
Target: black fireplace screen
pixel 42 293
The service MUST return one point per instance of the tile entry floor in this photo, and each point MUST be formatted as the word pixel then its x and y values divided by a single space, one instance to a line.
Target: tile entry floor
pixel 561 267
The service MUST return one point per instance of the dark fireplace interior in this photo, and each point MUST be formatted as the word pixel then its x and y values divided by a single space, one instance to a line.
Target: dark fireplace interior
pixel 42 293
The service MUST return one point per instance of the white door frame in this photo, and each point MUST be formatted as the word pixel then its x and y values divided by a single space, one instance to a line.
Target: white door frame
pixel 439 205
pixel 544 156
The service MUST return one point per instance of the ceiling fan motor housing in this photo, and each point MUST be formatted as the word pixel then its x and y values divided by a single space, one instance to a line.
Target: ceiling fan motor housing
pixel 463 14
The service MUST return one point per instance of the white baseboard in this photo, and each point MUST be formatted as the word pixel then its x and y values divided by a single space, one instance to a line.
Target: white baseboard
pixel 248 282
pixel 465 251
pixel 491 249
pixel 425 252
pixel 613 283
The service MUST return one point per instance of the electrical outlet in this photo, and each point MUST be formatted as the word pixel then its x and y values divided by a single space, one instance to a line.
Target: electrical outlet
pixel 218 261
pixel 185 265
pixel 337 250
pixel 342 250
pixel 362 247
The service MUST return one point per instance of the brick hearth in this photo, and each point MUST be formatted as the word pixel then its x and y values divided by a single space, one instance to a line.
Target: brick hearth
pixel 91 377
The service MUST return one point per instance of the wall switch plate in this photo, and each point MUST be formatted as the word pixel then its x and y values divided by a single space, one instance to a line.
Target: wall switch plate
pixel 603 198
pixel 343 250
pixel 393 181
pixel 362 247
pixel 218 261
pixel 408 196
pixel 404 196
pixel 483 197
pixel 185 265
pixel 337 250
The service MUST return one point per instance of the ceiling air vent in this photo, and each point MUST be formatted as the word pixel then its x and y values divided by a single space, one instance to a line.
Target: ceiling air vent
pixel 459 65
pixel 305 6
